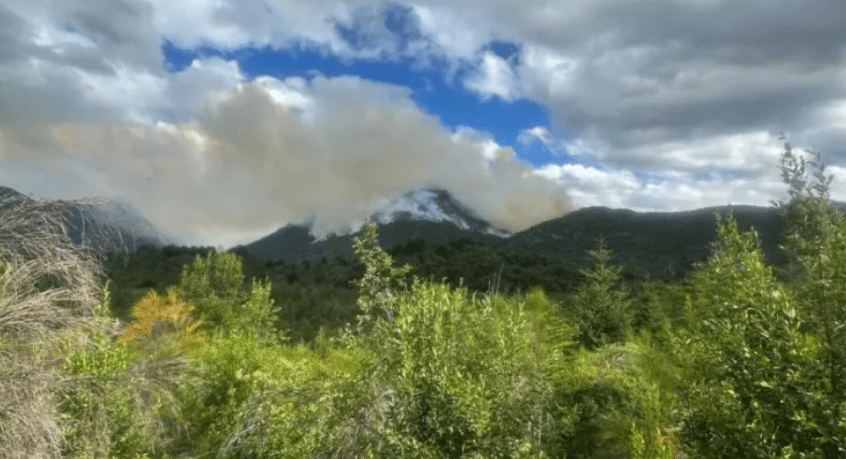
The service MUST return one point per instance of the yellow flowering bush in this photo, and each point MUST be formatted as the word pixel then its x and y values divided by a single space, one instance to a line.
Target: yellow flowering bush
pixel 163 323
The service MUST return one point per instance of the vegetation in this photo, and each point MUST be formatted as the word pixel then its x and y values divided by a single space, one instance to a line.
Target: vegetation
pixel 600 309
pixel 192 357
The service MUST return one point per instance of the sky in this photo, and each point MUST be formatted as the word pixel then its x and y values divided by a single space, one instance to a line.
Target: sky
pixel 221 121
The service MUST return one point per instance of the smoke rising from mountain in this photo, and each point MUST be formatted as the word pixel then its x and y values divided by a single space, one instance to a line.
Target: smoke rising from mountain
pixel 273 152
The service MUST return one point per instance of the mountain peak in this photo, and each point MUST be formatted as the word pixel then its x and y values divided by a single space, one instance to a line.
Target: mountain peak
pixel 431 215
pixel 436 205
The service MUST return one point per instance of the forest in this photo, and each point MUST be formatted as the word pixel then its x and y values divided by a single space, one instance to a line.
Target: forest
pixel 426 352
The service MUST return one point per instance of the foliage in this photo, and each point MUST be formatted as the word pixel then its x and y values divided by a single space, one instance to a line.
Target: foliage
pixel 115 399
pixel 163 324
pixel 102 417
pixel 472 264
pixel 214 284
pixel 133 274
pixel 309 307
pixel 218 387
pixel 601 311
pixel 756 368
pixel 218 274
pixel 459 376
pixel 816 245
pixel 749 393
pixel 620 401
pixel 252 399
pixel 382 282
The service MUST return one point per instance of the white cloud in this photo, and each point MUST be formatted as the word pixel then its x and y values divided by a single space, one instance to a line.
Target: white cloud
pixel 590 186
pixel 134 93
pixel 494 77
pixel 555 145
pixel 274 23
pixel 457 36
pixel 707 90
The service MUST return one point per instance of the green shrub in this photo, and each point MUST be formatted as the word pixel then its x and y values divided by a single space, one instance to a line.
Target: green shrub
pixel 620 402
pixel 102 417
pixel 214 284
pixel 382 282
pixel 459 376
pixel 816 247
pixel 750 394
pixel 251 399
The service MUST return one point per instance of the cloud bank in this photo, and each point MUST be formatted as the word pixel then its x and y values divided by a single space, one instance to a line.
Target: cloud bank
pixel 275 151
pixel 664 105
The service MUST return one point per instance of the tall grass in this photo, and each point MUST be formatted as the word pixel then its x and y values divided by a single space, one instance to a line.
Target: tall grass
pixel 48 288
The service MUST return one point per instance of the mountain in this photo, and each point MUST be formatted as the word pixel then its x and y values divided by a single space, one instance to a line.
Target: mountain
pixel 10 193
pixel 118 227
pixel 107 225
pixel 647 244
pixel 430 216
pixel 660 244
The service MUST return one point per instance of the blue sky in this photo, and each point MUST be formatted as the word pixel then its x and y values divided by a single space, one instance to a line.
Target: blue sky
pixel 221 121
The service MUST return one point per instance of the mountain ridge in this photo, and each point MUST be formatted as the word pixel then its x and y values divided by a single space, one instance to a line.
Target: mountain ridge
pixel 649 244
pixel 105 225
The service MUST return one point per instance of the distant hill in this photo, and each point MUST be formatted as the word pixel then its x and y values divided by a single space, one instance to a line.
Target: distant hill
pixel 648 244
pixel 104 224
pixel 661 244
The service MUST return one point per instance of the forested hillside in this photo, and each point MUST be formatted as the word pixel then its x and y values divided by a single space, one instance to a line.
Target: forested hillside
pixel 195 353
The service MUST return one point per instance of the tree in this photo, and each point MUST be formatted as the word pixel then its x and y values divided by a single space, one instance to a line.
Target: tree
pixel 214 284
pixel 816 247
pixel 750 395
pixel 382 282
pixel 767 359
pixel 218 274
pixel 600 310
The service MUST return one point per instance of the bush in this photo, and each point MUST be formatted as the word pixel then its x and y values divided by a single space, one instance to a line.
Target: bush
pixel 618 407
pixel 750 392
pixel 459 376
pixel 115 398
pixel 103 418
pixel 382 282
pixel 163 324
pixel 816 248
pixel 214 284
pixel 250 399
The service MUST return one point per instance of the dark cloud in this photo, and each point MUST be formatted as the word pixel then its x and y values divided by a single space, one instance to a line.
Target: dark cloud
pixel 11 30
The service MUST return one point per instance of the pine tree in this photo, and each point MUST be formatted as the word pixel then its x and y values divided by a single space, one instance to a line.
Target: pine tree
pixel 602 311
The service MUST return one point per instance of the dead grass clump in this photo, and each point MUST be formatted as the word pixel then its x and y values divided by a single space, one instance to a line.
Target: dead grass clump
pixel 48 286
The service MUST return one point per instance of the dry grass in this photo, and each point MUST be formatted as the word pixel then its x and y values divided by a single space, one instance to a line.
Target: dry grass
pixel 48 287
